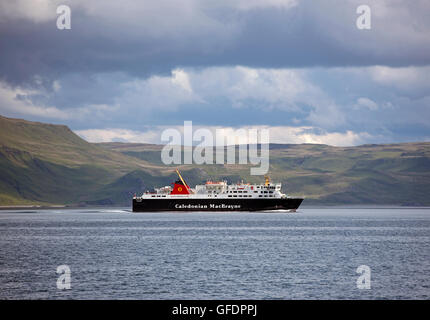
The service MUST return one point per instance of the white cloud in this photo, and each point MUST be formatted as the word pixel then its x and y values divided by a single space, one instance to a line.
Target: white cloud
pixel 16 101
pixel 180 77
pixel 266 90
pixel 366 103
pixel 278 88
pixel 305 135
pixel 402 78
pixel 278 134
pixel 33 10
pixel 118 135
pixel 158 93
pixel 252 4
pixel 294 93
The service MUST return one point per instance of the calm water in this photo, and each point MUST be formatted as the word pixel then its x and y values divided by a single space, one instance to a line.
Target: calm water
pixel 311 254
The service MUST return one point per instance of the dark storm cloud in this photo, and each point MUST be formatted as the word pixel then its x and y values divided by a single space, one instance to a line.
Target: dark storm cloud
pixel 229 62
pixel 307 34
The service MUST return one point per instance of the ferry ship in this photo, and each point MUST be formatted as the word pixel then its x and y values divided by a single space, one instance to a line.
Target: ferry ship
pixel 216 196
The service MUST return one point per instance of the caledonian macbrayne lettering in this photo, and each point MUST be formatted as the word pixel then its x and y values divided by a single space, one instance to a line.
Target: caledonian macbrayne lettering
pixel 205 206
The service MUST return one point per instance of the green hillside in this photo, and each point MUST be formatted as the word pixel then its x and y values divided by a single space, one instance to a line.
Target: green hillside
pixel 397 174
pixel 58 144
pixel 48 164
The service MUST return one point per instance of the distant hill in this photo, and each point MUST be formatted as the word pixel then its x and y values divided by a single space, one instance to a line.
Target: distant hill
pixel 49 164
pixel 395 174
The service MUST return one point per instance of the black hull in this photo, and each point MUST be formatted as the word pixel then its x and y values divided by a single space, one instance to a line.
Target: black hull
pixel 255 204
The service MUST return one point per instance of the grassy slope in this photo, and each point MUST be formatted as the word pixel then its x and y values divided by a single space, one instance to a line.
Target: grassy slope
pixel 58 144
pixel 49 164
pixel 369 174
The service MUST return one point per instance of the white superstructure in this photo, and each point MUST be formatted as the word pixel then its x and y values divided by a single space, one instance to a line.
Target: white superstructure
pixel 223 190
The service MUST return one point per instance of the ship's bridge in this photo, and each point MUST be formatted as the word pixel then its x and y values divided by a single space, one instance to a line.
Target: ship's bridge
pixel 211 187
pixel 240 190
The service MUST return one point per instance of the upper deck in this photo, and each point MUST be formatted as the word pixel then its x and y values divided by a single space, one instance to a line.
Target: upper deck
pixel 222 190
pixel 217 189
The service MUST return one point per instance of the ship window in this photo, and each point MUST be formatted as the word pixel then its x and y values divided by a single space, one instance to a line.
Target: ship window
pixel 260 195
pixel 234 191
pixel 229 195
pixel 255 191
pixel 235 196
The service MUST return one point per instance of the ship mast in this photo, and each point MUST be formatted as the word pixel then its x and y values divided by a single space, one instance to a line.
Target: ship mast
pixel 183 181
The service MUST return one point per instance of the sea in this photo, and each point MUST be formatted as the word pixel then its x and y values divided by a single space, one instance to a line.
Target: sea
pixel 314 253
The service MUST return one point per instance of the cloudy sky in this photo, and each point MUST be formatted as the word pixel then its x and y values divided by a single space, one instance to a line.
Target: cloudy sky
pixel 128 69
